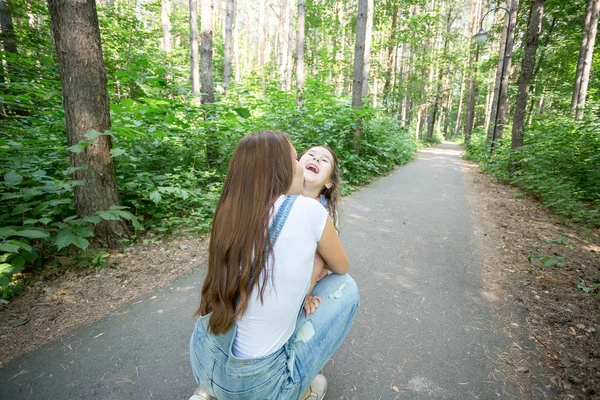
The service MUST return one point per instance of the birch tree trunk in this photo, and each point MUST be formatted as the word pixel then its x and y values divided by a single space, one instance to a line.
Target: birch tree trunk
pixel 290 47
pixel 584 63
pixel 165 18
pixel 359 53
pixel 229 26
pixel 367 55
pixel 85 98
pixel 282 36
pixel 206 51
pixel 194 58
pixel 261 40
pixel 531 42
pixel 300 47
pixel 390 56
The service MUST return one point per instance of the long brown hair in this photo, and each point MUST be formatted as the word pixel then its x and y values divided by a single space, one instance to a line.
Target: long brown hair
pixel 260 170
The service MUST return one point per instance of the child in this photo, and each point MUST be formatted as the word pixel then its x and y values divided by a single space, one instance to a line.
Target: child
pixel 322 181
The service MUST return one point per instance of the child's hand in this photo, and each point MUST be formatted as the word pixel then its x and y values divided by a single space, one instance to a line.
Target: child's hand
pixel 311 303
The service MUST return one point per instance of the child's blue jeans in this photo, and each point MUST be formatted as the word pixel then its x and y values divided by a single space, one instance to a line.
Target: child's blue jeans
pixel 288 372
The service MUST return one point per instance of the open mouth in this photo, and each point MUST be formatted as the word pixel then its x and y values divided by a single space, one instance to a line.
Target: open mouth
pixel 312 168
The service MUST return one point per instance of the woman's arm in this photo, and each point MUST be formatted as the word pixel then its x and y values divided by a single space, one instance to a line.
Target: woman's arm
pixel 331 249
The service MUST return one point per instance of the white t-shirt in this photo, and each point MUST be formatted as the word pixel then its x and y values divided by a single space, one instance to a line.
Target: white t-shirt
pixel 266 326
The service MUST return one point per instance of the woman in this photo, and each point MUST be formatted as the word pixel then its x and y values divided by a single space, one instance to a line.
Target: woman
pixel 250 340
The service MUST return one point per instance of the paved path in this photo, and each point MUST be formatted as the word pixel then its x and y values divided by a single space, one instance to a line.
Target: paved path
pixel 425 329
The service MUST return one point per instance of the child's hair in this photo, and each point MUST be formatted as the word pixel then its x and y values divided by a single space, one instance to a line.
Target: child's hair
pixel 334 193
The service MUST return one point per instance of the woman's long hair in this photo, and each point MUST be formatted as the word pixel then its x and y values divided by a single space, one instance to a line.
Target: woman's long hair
pixel 260 170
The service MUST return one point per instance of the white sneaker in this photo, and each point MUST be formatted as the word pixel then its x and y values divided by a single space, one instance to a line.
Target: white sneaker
pixel 318 388
pixel 200 394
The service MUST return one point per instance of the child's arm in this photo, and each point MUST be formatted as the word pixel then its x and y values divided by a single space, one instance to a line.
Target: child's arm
pixel 312 302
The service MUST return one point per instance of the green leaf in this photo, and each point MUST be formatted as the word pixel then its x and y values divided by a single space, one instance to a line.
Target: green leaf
pixel 242 112
pixel 33 234
pixel 115 152
pixel 4 280
pixel 155 196
pixel 20 209
pixel 45 221
pixel 64 239
pixel 92 134
pixel 109 215
pixel 10 196
pixel 81 242
pixel 72 170
pixel 83 231
pixel 29 256
pixel 12 178
pixel 18 262
pixel 93 219
pixel 79 147
pixel 9 247
pixel 6 232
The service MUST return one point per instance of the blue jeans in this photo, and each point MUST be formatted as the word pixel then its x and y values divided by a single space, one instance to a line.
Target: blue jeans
pixel 288 372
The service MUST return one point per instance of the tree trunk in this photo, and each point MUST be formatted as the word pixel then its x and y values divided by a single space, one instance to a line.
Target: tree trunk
pixel 229 24
pixel 472 84
pixel 290 47
pixel 531 42
pixel 359 60
pixel 390 55
pixel 85 98
pixel 367 55
pixel 195 74
pixel 300 47
pixel 359 53
pixel 6 25
pixel 282 35
pixel 499 110
pixel 460 99
pixel 584 63
pixel 165 17
pixel 261 39
pixel 237 60
pixel 206 51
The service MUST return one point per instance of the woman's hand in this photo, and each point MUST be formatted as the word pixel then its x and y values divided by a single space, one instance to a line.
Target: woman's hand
pixel 311 303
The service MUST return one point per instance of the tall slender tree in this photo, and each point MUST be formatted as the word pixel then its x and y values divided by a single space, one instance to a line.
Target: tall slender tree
pixel 229 28
pixel 368 41
pixel 359 53
pixel 534 27
pixel 300 47
pixel 206 51
pixel 194 57
pixel 85 98
pixel 165 18
pixel 7 34
pixel 499 109
pixel 476 10
pixel 584 62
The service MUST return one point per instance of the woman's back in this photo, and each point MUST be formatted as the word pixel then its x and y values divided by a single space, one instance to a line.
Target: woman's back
pixel 267 325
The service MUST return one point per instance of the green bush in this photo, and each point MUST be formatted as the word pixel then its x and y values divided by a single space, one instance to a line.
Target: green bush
pixel 559 162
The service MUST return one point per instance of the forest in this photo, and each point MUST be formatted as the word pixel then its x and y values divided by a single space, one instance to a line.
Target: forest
pixel 119 116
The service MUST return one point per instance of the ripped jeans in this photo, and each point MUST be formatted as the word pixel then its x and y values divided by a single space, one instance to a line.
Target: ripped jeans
pixel 288 372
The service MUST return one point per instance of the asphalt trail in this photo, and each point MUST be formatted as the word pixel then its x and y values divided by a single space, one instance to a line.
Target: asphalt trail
pixel 425 328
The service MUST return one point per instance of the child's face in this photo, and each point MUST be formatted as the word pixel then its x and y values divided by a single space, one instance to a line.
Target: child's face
pixel 318 166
